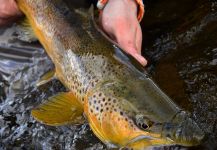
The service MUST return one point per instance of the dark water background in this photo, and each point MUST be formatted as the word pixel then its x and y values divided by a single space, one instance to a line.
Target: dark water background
pixel 180 42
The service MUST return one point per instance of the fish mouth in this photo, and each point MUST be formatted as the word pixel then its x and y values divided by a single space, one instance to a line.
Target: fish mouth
pixel 186 132
pixel 145 141
pixel 189 132
pixel 182 130
pixel 184 135
pixel 139 138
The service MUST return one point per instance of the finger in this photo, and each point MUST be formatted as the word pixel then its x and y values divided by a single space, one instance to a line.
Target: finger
pixel 9 8
pixel 140 59
pixel 4 22
pixel 131 43
pixel 125 33
pixel 138 39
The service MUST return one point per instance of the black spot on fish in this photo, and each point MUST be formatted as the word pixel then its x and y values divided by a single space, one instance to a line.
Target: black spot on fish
pixel 139 124
pixel 97 108
pixel 121 113
pixel 101 110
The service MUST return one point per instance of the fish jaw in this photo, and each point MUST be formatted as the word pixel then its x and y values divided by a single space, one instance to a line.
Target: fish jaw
pixel 114 128
pixel 183 130
pixel 186 133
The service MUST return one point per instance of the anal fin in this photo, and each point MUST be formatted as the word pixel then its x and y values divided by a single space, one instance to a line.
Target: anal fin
pixel 61 109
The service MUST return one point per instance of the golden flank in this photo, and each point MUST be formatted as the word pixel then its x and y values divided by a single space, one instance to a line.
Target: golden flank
pixel 108 88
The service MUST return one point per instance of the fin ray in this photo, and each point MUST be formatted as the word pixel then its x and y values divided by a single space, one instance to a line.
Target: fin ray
pixel 25 32
pixel 47 77
pixel 61 109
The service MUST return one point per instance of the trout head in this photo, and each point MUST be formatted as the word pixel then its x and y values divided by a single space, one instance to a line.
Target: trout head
pixel 121 116
pixel 180 130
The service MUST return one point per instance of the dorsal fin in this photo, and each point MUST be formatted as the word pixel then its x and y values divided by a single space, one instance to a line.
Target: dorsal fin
pixel 86 17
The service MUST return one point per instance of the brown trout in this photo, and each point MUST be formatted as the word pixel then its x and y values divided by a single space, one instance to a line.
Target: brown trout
pixel 123 106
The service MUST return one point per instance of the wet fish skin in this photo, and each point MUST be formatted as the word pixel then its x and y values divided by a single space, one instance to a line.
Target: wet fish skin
pixel 122 105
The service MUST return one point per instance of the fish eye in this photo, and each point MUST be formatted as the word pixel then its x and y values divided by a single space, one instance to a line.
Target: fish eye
pixel 142 122
pixel 143 126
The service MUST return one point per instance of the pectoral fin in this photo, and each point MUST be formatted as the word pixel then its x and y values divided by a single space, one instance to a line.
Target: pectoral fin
pixel 25 32
pixel 47 77
pixel 61 109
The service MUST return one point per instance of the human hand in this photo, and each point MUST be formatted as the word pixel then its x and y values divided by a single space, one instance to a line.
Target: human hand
pixel 119 20
pixel 8 12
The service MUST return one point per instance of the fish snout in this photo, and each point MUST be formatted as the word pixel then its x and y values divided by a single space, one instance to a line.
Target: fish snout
pixel 189 132
pixel 186 133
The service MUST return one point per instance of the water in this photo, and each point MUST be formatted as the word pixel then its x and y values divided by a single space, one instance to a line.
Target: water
pixel 180 44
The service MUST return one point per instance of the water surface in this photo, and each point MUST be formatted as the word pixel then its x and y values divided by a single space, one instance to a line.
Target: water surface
pixel 179 40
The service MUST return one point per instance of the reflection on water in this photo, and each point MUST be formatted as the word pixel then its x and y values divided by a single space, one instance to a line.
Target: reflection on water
pixel 184 54
pixel 180 42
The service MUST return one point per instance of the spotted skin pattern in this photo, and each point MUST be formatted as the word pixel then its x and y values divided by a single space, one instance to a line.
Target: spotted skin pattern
pixel 111 87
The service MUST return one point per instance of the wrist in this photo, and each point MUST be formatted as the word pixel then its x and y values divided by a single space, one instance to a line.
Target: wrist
pixel 136 6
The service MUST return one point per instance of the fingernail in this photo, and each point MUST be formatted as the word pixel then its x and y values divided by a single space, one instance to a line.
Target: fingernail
pixel 141 59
